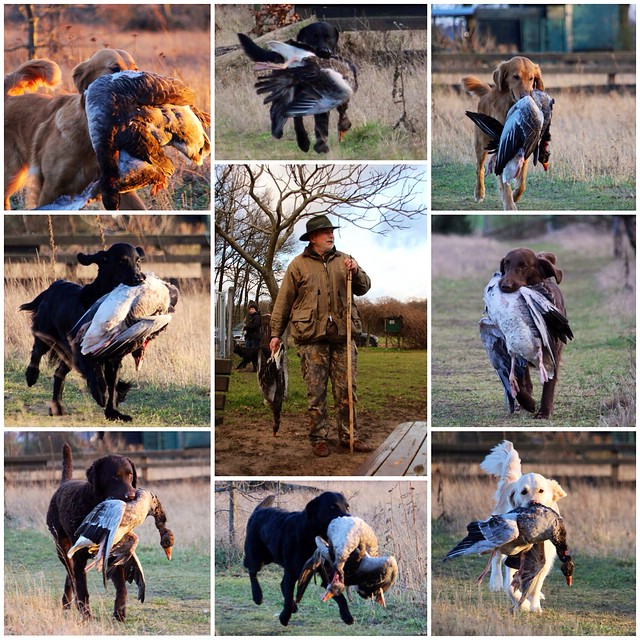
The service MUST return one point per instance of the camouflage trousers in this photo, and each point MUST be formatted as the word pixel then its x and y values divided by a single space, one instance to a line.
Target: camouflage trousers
pixel 320 362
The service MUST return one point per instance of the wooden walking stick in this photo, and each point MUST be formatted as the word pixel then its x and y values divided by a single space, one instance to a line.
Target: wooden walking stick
pixel 349 364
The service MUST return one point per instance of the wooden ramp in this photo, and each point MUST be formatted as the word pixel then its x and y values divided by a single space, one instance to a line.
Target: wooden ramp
pixel 403 453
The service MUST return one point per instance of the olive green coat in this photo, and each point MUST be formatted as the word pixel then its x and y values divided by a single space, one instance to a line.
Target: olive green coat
pixel 313 297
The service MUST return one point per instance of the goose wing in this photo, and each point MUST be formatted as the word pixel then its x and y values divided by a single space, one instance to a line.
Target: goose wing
pixel 132 573
pixel 521 132
pixel 486 536
pixel 540 303
pixel 489 126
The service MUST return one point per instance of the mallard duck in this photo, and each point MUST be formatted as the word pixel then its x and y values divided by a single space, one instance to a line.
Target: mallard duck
pixel 303 83
pixel 125 320
pixel 273 380
pixel 107 532
pixel 521 534
pixel 529 323
pixel 133 114
pixel 525 133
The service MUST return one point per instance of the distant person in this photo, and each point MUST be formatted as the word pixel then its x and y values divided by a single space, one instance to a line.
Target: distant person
pixel 252 327
pixel 313 301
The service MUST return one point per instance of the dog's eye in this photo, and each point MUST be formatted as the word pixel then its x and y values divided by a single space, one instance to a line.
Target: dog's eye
pixel 524 492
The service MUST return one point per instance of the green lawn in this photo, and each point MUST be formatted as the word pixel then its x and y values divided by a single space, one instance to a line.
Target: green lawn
pixel 453 184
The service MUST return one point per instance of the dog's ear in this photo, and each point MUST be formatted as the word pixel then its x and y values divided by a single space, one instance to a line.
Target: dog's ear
pixel 556 490
pixel 91 258
pixel 537 82
pixel 92 476
pixel 140 251
pixel 134 481
pixel 547 266
pixel 500 76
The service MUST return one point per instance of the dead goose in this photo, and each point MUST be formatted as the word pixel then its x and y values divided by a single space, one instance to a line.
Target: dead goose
pixel 525 133
pixel 529 322
pixel 108 533
pixel 303 83
pixel 131 115
pixel 521 534
pixel 273 380
pixel 125 320
pixel 350 558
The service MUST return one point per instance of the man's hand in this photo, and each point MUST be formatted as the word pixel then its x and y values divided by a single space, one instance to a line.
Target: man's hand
pixel 351 265
pixel 274 345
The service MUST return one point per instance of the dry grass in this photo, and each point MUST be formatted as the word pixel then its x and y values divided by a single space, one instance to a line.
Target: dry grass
pixel 179 357
pixel 585 145
pixel 395 510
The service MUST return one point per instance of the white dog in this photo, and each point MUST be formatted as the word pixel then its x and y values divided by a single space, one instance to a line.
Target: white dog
pixel 516 490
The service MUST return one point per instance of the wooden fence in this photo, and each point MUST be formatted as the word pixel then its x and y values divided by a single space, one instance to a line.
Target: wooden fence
pixel 581 458
pixel 609 63
pixel 166 254
pixel 151 466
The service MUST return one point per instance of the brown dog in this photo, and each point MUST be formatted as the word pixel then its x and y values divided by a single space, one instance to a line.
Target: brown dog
pixel 48 135
pixel 524 267
pixel 513 79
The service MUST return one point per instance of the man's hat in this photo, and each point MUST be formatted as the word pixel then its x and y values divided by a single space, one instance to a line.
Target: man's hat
pixel 316 223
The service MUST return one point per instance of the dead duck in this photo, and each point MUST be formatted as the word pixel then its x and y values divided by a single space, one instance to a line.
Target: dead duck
pixel 529 322
pixel 526 132
pixel 273 380
pixel 520 534
pixel 131 116
pixel 303 83
pixel 350 558
pixel 125 320
pixel 108 534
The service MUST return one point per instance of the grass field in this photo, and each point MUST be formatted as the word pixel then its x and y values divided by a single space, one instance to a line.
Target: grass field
pixel 171 389
pixel 395 510
pixel 592 164
pixel 177 598
pixel 601 539
pixel 596 386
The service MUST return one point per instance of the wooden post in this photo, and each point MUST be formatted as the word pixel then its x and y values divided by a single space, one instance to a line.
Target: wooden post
pixel 349 363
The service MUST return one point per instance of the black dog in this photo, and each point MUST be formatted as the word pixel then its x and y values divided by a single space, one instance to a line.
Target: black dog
pixel 111 476
pixel 249 356
pixel 56 310
pixel 288 539
pixel 321 38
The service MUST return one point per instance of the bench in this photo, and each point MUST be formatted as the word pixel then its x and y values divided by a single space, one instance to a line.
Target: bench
pixel 223 372
pixel 403 453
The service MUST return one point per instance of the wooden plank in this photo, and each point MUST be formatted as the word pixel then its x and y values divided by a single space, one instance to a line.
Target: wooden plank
pixel 222 370
pixel 63 240
pixel 403 455
pixel 404 448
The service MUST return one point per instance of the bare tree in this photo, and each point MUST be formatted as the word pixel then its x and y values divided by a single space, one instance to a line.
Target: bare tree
pixel 257 207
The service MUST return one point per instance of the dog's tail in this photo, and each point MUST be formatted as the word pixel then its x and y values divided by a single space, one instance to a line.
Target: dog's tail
pixel 475 87
pixel 266 503
pixel 503 462
pixel 67 464
pixel 30 75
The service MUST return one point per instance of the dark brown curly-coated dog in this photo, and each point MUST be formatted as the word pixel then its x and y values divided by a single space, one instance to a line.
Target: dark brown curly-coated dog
pixel 112 476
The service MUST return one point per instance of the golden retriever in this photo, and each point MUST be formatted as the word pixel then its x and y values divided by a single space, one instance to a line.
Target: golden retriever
pixel 513 79
pixel 517 490
pixel 47 136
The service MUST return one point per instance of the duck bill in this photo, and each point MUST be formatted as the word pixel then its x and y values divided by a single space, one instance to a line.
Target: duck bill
pixel 380 598
pixel 569 580
pixel 545 166
pixel 168 551
pixel 327 594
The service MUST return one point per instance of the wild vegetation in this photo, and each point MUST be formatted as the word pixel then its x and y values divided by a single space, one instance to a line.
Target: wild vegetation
pixel 178 593
pixel 596 384
pixel 601 537
pixel 593 158
pixel 379 130
pixel 395 510
pixel 176 46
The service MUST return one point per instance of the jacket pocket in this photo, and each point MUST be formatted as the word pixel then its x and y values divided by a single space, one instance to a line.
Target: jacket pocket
pixel 303 325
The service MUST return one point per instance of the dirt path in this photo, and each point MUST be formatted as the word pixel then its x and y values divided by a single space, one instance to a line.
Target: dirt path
pixel 245 446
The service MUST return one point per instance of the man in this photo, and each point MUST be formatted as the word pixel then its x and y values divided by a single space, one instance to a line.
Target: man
pixel 313 301
pixel 252 334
